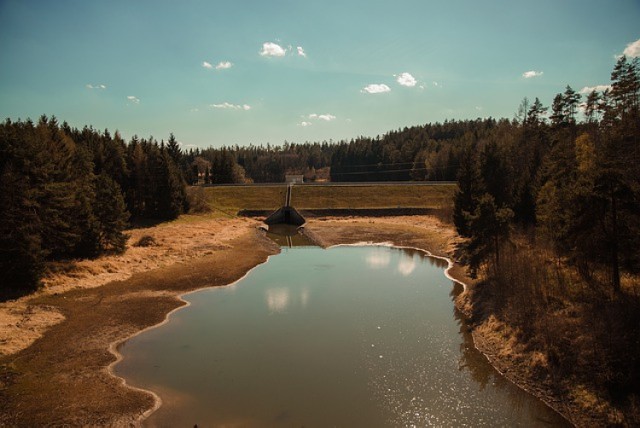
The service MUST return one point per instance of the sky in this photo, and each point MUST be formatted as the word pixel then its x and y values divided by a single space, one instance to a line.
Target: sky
pixel 240 72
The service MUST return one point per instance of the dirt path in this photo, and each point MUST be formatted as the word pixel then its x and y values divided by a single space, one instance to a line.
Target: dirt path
pixel 63 378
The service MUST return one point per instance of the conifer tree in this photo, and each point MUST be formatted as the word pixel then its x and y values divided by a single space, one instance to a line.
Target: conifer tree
pixel 110 215
pixel 470 187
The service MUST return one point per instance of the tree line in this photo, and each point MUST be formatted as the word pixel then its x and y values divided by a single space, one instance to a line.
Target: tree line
pixel 68 193
pixel 428 152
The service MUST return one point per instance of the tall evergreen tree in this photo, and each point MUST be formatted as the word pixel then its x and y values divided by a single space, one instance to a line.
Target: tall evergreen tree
pixel 470 187
pixel 110 215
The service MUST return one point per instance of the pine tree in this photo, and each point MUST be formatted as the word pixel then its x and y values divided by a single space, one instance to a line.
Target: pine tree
pixel 489 227
pixel 470 187
pixel 173 148
pixel 21 253
pixel 110 215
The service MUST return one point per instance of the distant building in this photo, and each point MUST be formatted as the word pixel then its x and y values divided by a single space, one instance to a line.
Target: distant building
pixel 294 179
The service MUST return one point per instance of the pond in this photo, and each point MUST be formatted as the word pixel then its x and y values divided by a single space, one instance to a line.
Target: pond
pixel 350 336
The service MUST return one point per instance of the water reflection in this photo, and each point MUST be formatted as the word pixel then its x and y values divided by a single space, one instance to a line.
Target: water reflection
pixel 288 236
pixel 277 299
pixel 378 257
pixel 320 338
pixel 407 264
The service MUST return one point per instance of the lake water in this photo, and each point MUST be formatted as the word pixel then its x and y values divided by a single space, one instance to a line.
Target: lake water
pixel 350 336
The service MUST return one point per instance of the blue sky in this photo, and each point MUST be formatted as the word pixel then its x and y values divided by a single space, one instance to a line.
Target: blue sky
pixel 240 72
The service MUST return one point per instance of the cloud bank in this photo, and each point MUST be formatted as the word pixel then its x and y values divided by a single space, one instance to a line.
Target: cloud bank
pixel 597 88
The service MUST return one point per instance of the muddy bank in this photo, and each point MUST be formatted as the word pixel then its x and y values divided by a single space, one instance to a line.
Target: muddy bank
pixel 62 378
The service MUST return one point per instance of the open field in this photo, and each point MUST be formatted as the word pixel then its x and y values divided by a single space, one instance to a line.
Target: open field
pixel 231 199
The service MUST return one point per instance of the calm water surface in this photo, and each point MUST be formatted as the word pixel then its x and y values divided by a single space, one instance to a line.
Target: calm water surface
pixel 350 337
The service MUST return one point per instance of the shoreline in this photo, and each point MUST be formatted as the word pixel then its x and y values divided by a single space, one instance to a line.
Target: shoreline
pixel 151 297
pixel 66 376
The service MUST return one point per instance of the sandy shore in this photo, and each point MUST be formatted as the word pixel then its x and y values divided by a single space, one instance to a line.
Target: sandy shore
pixel 64 377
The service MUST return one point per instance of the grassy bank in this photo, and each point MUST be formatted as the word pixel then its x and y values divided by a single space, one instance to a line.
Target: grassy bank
pixel 235 198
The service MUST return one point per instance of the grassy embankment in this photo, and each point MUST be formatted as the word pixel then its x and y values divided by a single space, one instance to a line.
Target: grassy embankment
pixel 230 200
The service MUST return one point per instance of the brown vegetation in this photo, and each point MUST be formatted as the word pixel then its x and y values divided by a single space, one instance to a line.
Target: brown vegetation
pixel 577 340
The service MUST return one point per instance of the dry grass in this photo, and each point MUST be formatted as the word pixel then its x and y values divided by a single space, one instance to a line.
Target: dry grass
pixel 228 200
pixel 393 196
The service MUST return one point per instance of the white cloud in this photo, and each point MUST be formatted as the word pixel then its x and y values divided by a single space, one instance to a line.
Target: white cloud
pixel 229 106
pixel 207 65
pixel 301 52
pixel 435 83
pixel 598 88
pixel 223 65
pixel 633 49
pixel 532 73
pixel 305 124
pixel 326 117
pixel 133 99
pixel 272 49
pixel 90 86
pixel 376 88
pixel 406 79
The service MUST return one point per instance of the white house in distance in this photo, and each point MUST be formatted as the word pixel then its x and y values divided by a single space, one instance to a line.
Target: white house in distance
pixel 294 179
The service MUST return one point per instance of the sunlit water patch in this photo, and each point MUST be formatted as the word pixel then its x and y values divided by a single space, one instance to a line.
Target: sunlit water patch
pixel 351 336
